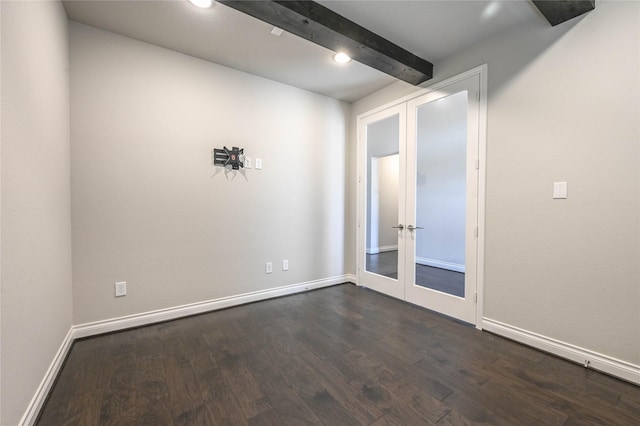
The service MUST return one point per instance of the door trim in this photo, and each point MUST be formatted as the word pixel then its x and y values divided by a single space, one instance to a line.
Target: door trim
pixel 481 71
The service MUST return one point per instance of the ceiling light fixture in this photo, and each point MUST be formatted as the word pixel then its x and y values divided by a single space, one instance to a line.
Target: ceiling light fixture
pixel 341 58
pixel 201 3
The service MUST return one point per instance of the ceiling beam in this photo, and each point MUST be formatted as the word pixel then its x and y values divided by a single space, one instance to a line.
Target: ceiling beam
pixel 323 26
pixel 559 11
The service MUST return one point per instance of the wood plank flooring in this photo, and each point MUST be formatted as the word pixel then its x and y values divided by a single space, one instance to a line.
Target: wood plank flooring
pixel 337 356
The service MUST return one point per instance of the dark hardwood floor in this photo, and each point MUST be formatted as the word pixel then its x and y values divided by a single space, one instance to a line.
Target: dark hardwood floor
pixel 337 356
pixel 386 263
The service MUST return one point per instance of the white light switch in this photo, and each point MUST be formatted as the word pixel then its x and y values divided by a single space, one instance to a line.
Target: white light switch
pixel 559 190
pixel 258 163
pixel 247 162
pixel 121 288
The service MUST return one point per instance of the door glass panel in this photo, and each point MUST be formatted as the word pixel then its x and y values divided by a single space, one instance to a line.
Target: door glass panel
pixel 441 194
pixel 383 173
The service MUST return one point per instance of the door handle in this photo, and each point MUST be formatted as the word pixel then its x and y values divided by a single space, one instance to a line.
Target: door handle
pixel 400 227
pixel 412 228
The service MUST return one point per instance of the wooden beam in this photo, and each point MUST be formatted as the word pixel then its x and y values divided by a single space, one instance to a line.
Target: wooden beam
pixel 559 11
pixel 323 26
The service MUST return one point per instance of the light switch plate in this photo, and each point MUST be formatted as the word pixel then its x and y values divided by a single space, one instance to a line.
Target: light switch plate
pixel 121 289
pixel 247 162
pixel 258 163
pixel 559 190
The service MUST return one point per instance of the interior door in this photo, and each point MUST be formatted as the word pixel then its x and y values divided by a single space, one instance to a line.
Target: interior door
pixel 418 185
pixel 442 199
pixel 381 248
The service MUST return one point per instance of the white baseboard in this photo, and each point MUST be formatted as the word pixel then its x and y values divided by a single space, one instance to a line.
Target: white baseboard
pixel 146 318
pixel 351 278
pixel 440 264
pixel 596 361
pixel 31 415
pixel 381 249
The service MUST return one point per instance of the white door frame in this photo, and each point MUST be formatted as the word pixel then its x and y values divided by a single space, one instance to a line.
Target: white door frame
pixel 481 71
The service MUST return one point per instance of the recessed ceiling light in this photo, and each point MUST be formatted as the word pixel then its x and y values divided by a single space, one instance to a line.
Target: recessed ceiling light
pixel 201 3
pixel 341 58
pixel 277 31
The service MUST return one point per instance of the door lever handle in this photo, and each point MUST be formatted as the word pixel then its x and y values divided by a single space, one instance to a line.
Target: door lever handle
pixel 400 227
pixel 411 227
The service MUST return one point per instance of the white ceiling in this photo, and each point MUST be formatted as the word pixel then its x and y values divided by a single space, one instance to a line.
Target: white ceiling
pixel 430 29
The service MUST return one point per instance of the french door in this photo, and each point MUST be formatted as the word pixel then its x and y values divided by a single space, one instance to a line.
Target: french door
pixel 418 199
pixel 382 249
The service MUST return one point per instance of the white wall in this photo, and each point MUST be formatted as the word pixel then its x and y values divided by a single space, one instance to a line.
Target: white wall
pixel 388 185
pixel 384 203
pixel 36 242
pixel 563 106
pixel 149 208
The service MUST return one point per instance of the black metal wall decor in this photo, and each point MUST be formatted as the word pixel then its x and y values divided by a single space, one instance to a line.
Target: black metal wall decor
pixel 233 157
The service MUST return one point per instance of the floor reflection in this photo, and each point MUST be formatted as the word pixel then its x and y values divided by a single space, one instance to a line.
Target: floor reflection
pixel 386 264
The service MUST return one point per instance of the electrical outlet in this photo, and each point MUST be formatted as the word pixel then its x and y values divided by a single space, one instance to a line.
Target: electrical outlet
pixel 121 289
pixel 247 162
pixel 285 265
pixel 268 268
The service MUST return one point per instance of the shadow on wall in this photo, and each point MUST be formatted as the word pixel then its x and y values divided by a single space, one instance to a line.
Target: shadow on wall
pixel 524 45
